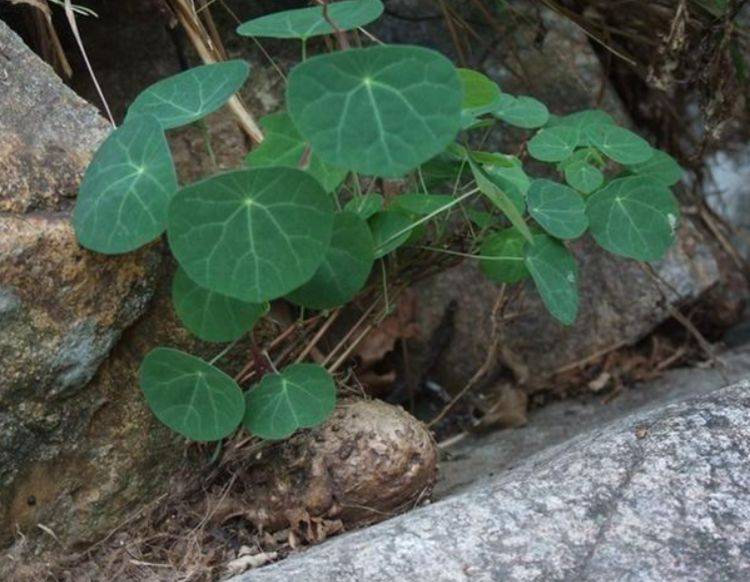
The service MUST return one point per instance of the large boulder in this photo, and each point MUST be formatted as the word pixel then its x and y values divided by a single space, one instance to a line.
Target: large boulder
pixel 659 494
pixel 77 444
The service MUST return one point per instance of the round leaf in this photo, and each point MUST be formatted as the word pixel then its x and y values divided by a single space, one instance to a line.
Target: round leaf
pixel 558 209
pixel 381 110
pixel 583 176
pixel 251 234
pixel 661 168
pixel 123 199
pixel 553 144
pixel 525 112
pixel 503 257
pixel 620 144
pixel 390 229
pixel 191 396
pixel 209 315
pixel 555 276
pixel 307 22
pixel 345 267
pixel 365 206
pixel 189 96
pixel 284 146
pixel 634 217
pixel 302 396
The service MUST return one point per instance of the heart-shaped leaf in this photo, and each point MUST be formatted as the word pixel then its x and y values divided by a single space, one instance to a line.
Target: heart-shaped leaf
pixel 189 96
pixel 381 110
pixel 191 396
pixel 390 229
pixel 302 396
pixel 525 112
pixel 634 217
pixel 583 176
pixel 365 206
pixel 555 275
pixel 284 146
pixel 661 168
pixel 619 144
pixel 553 144
pixel 209 315
pixel 558 209
pixel 304 23
pixel 345 267
pixel 123 199
pixel 503 257
pixel 251 234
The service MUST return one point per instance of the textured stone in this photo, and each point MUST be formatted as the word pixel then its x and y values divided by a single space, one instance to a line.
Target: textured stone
pixel 48 132
pixel 619 304
pixel 75 450
pixel 660 494
pixel 368 461
pixel 64 307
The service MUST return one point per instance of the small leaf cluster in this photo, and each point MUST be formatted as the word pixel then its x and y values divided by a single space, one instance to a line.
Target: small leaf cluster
pixel 295 222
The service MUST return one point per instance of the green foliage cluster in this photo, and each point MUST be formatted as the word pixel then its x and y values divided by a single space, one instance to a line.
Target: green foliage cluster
pixel 295 223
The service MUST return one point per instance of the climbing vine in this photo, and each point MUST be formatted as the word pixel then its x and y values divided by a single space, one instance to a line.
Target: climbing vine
pixel 304 221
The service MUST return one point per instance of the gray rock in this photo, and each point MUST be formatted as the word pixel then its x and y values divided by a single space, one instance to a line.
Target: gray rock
pixel 482 457
pixel 619 304
pixel 660 494
pixel 62 311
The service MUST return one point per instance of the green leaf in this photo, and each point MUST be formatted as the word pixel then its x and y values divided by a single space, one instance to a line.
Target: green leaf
pixel 503 257
pixel 583 176
pixel 481 95
pixel 302 396
pixel 634 217
pixel 209 315
pixel 365 206
pixel 525 112
pixel 390 229
pixel 284 146
pixel 191 396
pixel 661 168
pixel 188 96
pixel 481 218
pixel 619 144
pixel 345 267
pixel 123 199
pixel 558 209
pixel 500 199
pixel 555 275
pixel 308 22
pixel 251 234
pixel 581 121
pixel 422 204
pixel 553 144
pixel 512 180
pixel 381 110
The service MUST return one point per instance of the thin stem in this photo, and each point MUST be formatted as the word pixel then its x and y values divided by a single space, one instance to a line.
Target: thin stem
pixel 224 352
pixel 387 307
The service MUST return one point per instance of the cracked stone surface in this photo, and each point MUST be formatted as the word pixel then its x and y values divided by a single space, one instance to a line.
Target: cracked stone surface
pixel 659 494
